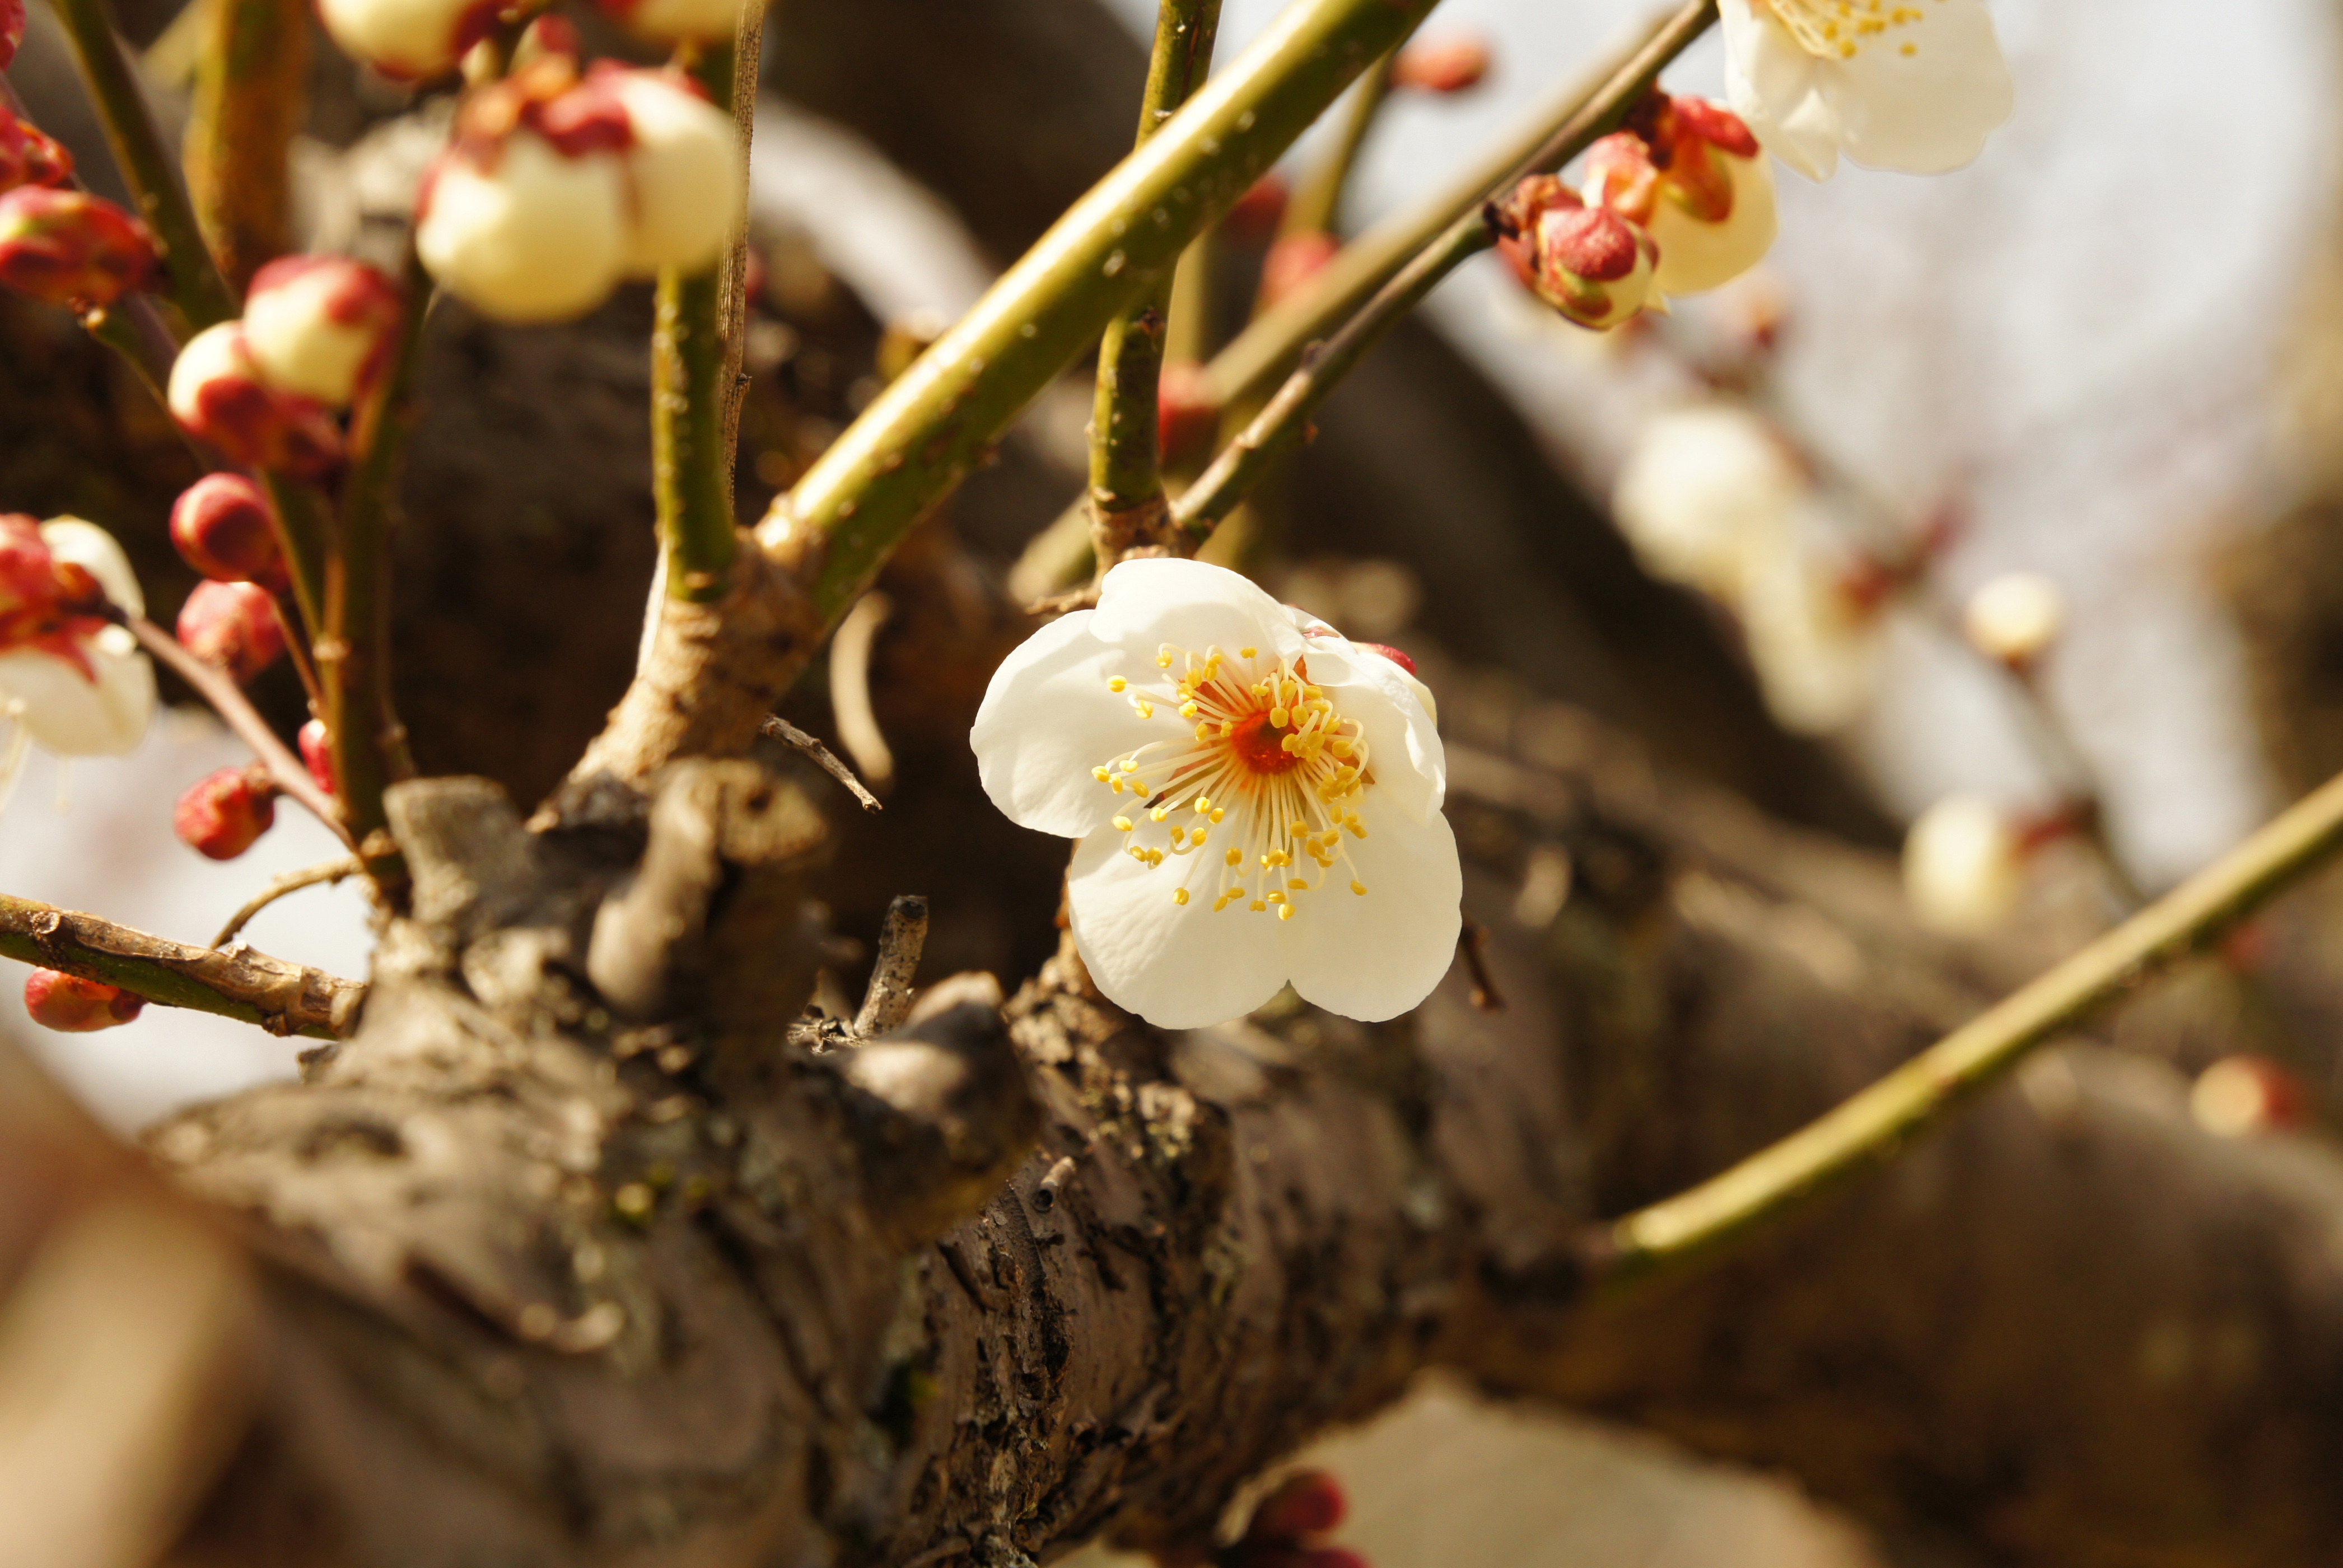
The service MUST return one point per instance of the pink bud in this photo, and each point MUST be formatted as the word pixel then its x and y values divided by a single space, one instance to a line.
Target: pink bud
pixel 1307 1503
pixel 1254 218
pixel 1455 63
pixel 29 158
pixel 317 754
pixel 233 624
pixel 223 813
pixel 319 325
pixel 1293 261
pixel 1590 263
pixel 12 29
pixel 1187 416
pixel 69 248
pixel 73 1005
pixel 224 529
pixel 218 393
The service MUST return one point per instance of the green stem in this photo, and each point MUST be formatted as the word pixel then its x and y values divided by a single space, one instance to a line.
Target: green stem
pixel 251 96
pixel 1868 1128
pixel 1317 201
pixel 692 364
pixel 1125 483
pixel 1268 347
pixel 304 524
pixel 936 421
pixel 196 288
pixel 353 652
pixel 252 988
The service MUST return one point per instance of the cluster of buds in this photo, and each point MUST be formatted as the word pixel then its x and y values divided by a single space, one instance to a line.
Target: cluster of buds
pixel 414 40
pixel 73 1005
pixel 70 672
pixel 558 187
pixel 224 813
pixel 1289 1527
pixel 1691 175
pixel 265 389
pixel 1589 263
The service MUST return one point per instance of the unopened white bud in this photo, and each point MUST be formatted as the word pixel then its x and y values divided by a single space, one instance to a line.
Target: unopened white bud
pixel 318 325
pixel 1963 866
pixel 2016 617
pixel 684 172
pixel 522 233
pixel 407 38
pixel 1703 490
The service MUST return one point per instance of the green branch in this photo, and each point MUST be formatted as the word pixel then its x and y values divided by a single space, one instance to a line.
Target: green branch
pixel 249 987
pixel 1126 488
pixel 1317 200
pixel 1269 346
pixel 201 295
pixel 692 366
pixel 1866 1129
pixel 251 93
pixel 937 421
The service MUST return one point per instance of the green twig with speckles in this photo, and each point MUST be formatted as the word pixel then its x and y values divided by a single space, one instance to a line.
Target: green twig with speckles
pixel 251 94
pixel 198 288
pixel 937 421
pixel 1126 485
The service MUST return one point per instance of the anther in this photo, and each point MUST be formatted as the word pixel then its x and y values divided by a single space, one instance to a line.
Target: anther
pixel 1124 824
pixel 1180 896
pixel 1236 857
pixel 1160 813
pixel 1256 906
pixel 1247 652
pixel 1116 683
pixel 1360 889
pixel 1286 912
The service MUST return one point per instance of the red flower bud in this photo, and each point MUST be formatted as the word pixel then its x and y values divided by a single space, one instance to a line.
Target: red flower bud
pixel 29 158
pixel 1455 63
pixel 224 529
pixel 69 248
pixel 234 626
pixel 76 1006
pixel 1187 417
pixel 1590 263
pixel 223 813
pixel 218 393
pixel 1292 262
pixel 1254 218
pixel 1307 1503
pixel 317 754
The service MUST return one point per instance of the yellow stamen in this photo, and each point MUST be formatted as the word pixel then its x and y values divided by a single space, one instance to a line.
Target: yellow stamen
pixel 1124 824
pixel 1179 895
pixel 1360 889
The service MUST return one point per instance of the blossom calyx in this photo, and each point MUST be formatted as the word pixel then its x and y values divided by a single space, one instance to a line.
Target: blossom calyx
pixel 225 527
pixel 233 624
pixel 1693 175
pixel 219 394
pixel 319 326
pixel 72 1005
pixel 223 814
pixel 27 157
pixel 1590 263
pixel 409 40
pixel 74 678
pixel 1255 805
pixel 69 247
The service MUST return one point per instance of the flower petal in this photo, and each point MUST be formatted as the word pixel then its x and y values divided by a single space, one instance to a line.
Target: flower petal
pixel 1404 749
pixel 1047 719
pixel 1777 88
pixel 1144 604
pixel 1375 955
pixel 1178 966
pixel 1696 256
pixel 1929 111
pixel 74 717
pixel 94 550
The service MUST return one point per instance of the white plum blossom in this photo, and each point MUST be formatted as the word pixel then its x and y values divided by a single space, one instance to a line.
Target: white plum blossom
pixel 407 38
pixel 1963 866
pixel 1707 492
pixel 683 172
pixel 1697 181
pixel 1914 85
pixel 1257 799
pixel 70 679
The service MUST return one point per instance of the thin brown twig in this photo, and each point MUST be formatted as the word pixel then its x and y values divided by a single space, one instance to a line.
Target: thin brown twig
pixel 228 700
pixel 780 729
pixel 902 936
pixel 289 882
